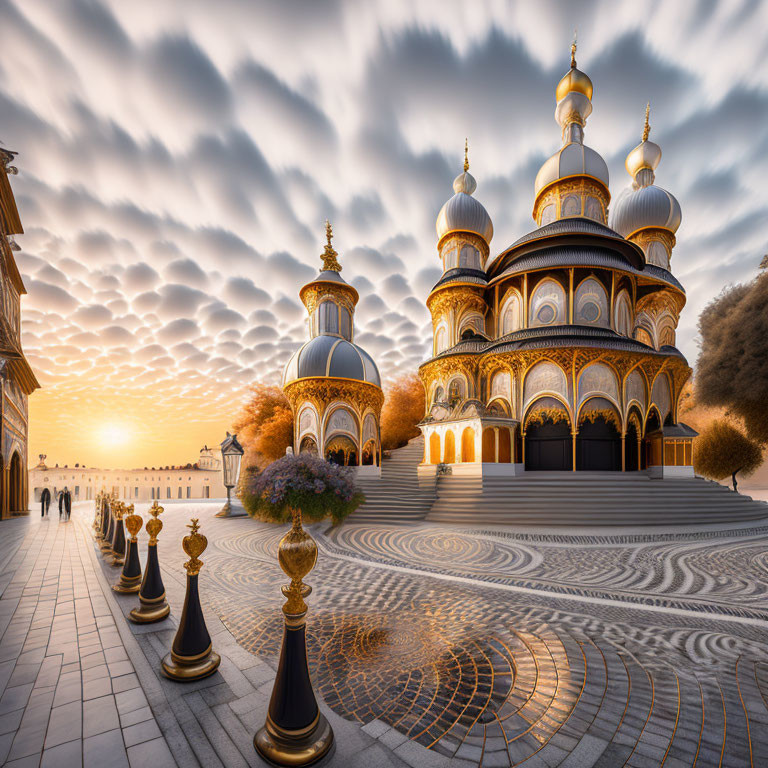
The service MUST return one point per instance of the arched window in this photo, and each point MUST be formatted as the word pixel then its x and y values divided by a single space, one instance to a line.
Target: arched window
pixel 591 304
pixel 469 257
pixel 511 315
pixel 328 317
pixel 450 258
pixel 593 209
pixel 441 340
pixel 657 254
pixel 643 336
pixel 346 323
pixel 571 206
pixel 667 336
pixel 547 215
pixel 622 314
pixel 547 304
pixel 439 395
pixel 472 321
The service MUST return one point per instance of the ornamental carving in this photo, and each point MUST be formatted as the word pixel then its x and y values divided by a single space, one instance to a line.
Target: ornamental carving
pixel 342 295
pixel 558 190
pixel 647 236
pixel 659 302
pixel 457 239
pixel 322 391
pixel 546 413
pixel 453 297
pixel 593 414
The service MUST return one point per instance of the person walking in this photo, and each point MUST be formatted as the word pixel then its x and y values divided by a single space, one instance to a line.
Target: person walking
pixel 61 504
pixel 45 502
pixel 67 503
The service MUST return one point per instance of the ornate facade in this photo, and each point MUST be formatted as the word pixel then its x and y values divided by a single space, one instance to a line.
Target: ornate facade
pixel 333 385
pixel 559 353
pixel 17 381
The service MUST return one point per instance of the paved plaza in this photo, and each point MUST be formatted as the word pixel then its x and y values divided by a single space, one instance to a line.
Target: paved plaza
pixel 429 646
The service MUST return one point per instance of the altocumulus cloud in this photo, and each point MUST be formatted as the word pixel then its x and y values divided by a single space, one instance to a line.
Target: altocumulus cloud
pixel 177 163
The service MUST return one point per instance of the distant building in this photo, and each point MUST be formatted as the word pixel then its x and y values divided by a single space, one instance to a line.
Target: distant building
pixel 192 481
pixel 17 381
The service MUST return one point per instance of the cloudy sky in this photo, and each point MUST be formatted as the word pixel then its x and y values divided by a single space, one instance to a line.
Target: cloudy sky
pixel 177 161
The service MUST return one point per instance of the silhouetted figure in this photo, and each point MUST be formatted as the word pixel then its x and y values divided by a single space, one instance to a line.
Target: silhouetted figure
pixel 61 504
pixel 45 502
pixel 67 503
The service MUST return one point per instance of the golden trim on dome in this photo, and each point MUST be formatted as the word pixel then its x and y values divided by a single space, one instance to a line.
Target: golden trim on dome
pixel 574 80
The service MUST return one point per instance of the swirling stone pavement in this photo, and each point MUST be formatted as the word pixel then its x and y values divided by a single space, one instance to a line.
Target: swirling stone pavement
pixel 507 649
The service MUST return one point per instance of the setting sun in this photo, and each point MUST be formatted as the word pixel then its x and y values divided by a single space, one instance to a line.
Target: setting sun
pixel 113 434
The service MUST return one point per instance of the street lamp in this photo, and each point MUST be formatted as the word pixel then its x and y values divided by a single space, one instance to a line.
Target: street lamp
pixel 231 454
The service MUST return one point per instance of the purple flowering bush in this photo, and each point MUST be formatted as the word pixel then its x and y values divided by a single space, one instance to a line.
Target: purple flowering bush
pixel 306 483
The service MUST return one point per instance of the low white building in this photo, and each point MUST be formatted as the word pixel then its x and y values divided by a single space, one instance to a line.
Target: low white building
pixel 202 480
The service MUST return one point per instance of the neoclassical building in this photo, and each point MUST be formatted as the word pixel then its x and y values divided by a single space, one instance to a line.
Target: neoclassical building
pixel 17 380
pixel 559 352
pixel 333 385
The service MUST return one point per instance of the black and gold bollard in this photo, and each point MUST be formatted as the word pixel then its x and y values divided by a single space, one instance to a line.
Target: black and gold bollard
pixel 154 606
pixel 109 531
pixel 118 538
pixel 191 656
pixel 130 578
pixel 296 733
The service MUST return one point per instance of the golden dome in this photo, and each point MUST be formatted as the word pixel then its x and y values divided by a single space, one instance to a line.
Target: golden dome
pixel 574 80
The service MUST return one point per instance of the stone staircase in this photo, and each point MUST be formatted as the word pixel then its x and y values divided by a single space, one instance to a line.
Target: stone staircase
pixel 395 497
pixel 589 498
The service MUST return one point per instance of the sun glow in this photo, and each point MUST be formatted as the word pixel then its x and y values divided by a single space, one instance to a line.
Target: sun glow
pixel 113 434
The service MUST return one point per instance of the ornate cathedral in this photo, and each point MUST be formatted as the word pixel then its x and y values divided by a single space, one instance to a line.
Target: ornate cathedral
pixel 559 352
pixel 17 381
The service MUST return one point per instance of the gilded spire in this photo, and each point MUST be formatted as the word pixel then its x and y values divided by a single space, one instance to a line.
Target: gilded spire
pixel 573 51
pixel 330 257
pixel 466 155
pixel 647 126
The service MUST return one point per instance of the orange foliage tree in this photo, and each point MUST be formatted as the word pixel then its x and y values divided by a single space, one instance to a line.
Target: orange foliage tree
pixel 264 426
pixel 403 410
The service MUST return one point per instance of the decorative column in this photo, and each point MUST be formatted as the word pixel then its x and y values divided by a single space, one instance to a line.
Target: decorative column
pixel 118 539
pixel 153 605
pixel 130 578
pixel 623 452
pixel 191 656
pixel 296 733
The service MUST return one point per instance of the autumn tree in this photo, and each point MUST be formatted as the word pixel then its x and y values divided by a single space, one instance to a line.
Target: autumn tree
pixel 403 410
pixel 264 427
pixel 732 369
pixel 722 449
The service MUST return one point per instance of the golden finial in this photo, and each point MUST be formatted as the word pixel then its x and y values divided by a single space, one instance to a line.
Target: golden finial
pixel 573 51
pixel 330 257
pixel 155 525
pixel 133 523
pixel 647 126
pixel 194 545
pixel 466 155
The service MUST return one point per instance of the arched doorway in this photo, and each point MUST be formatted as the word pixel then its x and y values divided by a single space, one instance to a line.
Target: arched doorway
pixel 308 445
pixel 341 450
pixel 450 448
pixel 505 446
pixel 548 440
pixel 652 425
pixel 15 481
pixel 489 445
pixel 468 445
pixel 369 454
pixel 434 448
pixel 632 443
pixel 598 444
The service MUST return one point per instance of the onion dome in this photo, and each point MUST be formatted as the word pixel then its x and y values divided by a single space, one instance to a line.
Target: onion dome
pixel 574 106
pixel 330 356
pixel 462 213
pixel 644 205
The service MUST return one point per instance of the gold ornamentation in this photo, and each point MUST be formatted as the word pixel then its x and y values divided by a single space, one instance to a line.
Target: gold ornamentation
pixel 297 555
pixel 573 51
pixel 194 545
pixel 340 293
pixel 321 391
pixel 452 297
pixel 155 525
pixel 133 523
pixel 593 414
pixel 466 155
pixel 558 190
pixel 542 414
pixel 460 237
pixel 330 257
pixel 647 126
